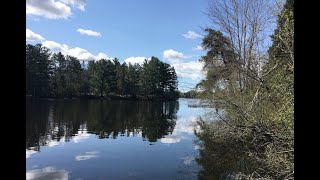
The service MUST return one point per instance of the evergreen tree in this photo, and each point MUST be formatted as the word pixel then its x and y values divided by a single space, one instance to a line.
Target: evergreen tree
pixel 37 70
pixel 58 75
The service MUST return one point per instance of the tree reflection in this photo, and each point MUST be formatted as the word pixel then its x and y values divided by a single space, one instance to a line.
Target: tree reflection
pixel 60 120
pixel 36 130
pixel 220 155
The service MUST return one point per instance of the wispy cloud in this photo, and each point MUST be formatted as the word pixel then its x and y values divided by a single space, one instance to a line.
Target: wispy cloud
pixel 198 48
pixel 79 3
pixel 89 32
pixel 191 35
pixel 31 36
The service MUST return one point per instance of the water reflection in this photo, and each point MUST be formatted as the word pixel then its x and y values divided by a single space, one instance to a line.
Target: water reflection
pixel 52 123
pixel 93 139
pixel 29 152
pixel 86 156
pixel 220 158
pixel 185 125
pixel 47 173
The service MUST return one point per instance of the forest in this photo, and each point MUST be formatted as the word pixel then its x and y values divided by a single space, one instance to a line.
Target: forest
pixel 254 136
pixel 54 75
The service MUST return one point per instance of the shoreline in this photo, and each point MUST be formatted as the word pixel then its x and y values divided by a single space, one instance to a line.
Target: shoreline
pixel 141 98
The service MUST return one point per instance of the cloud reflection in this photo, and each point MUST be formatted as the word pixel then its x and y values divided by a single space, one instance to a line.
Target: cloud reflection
pixel 196 147
pixel 184 125
pixel 29 152
pixel 171 139
pixel 55 142
pixel 47 173
pixel 86 156
pixel 82 135
pixel 188 160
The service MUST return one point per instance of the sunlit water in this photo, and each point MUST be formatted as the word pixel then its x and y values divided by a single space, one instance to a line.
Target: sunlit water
pixel 94 139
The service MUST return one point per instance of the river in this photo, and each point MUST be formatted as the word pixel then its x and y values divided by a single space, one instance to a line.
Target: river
pixel 111 139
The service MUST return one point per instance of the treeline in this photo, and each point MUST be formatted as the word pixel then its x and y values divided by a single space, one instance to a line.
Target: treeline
pixel 255 133
pixel 189 94
pixel 59 76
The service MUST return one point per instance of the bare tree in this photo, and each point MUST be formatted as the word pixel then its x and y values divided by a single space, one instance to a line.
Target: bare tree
pixel 245 23
pixel 259 114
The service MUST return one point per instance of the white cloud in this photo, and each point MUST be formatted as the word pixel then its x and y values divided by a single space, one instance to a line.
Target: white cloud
pixel 192 35
pixel 31 36
pixel 48 8
pixel 192 69
pixel 79 3
pixel 134 60
pixel 80 53
pixel 86 156
pixel 102 56
pixel 198 48
pixel 89 32
pixel 56 47
pixel 47 173
pixel 173 56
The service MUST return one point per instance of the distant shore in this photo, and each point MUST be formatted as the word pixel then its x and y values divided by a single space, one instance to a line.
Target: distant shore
pixel 129 98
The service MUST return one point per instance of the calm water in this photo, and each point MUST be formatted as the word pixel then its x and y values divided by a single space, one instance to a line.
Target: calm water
pixel 93 139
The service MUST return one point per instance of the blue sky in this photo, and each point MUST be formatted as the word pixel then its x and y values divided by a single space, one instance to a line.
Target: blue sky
pixel 126 29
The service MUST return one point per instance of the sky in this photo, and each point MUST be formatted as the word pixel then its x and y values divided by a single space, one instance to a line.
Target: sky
pixel 132 31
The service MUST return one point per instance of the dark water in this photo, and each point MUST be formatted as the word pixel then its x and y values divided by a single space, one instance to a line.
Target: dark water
pixel 94 139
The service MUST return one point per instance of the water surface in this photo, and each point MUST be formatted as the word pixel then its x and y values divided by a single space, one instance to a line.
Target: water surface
pixel 106 139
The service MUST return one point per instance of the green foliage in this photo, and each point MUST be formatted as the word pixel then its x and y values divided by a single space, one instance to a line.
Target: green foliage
pixel 220 62
pixel 103 77
pixel 133 79
pixel 66 78
pixel 282 48
pixel 158 79
pixel 37 70
pixel 189 94
pixel 257 119
pixel 57 75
